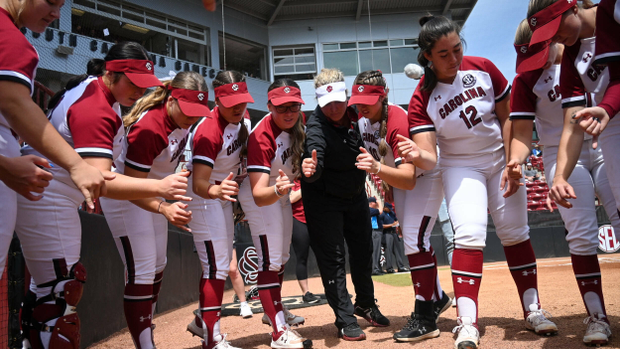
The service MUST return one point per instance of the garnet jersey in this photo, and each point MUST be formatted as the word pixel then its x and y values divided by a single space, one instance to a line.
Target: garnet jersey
pixel 536 94
pixel 88 118
pixel 462 113
pixel 269 150
pixel 397 124
pixel 580 76
pixel 18 58
pixel 215 143
pixel 154 144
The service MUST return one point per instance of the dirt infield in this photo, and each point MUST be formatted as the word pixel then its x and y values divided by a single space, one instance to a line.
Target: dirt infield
pixel 501 323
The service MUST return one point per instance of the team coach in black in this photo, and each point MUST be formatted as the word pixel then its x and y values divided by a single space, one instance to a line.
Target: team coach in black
pixel 336 206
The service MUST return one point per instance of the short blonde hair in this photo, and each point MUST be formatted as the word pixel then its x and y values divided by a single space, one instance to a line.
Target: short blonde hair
pixel 524 33
pixel 328 76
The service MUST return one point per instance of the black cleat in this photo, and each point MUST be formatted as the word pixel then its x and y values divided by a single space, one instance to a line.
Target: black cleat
pixel 352 332
pixel 372 315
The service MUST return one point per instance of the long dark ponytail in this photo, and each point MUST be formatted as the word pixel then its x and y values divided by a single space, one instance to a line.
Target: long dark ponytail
pixel 433 28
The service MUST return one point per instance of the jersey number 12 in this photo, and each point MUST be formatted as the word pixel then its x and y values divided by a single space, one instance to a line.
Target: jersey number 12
pixel 470 116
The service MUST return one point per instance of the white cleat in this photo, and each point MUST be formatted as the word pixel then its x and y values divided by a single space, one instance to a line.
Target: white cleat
pixel 245 311
pixel 468 335
pixel 598 332
pixel 291 319
pixel 288 338
pixel 537 321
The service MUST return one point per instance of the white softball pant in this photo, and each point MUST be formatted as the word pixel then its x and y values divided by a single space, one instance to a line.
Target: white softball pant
pixel 271 227
pixel 471 185
pixel 8 198
pixel 417 210
pixel 141 238
pixel 213 230
pixel 609 141
pixel 587 179
pixel 49 231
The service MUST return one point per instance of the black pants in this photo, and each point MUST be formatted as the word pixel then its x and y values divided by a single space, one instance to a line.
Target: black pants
pixel 331 222
pixel 392 252
pixel 301 245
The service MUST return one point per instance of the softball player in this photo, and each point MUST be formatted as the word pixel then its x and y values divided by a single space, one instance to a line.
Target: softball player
pixel 274 151
pixel 218 145
pixel 158 128
pixel 380 124
pixel 462 102
pixel 21 175
pixel 573 25
pixel 88 117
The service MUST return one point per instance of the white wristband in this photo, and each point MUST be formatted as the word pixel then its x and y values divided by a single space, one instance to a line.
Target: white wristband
pixel 275 190
pixel 379 170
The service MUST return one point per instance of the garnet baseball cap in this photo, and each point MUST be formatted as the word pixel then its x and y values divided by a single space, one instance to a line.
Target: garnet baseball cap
pixel 532 58
pixel 546 22
pixel 334 92
pixel 366 94
pixel 192 102
pixel 285 94
pixel 233 94
pixel 140 72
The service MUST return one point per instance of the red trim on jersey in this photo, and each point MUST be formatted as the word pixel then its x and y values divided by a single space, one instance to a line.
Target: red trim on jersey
pixel 522 98
pixel 298 206
pixel 611 99
pixel 571 87
pixel 546 22
pixel 262 145
pixel 366 94
pixel 92 121
pixel 141 72
pixel 192 102
pixel 233 94
pixel 208 141
pixel 419 120
pixel 500 84
pixel 284 94
pixel 397 124
pixel 148 138
pixel 18 58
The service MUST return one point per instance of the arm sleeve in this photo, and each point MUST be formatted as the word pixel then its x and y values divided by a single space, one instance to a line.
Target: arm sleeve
pixel 572 88
pixel 397 125
pixel 93 129
pixel 261 151
pixel 205 147
pixel 522 99
pixel 17 69
pixel 315 140
pixel 143 146
pixel 418 118
pixel 501 87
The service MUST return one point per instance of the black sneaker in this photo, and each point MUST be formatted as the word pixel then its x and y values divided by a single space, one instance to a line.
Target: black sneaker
pixel 352 332
pixel 390 271
pixel 442 305
pixel 372 315
pixel 310 298
pixel 418 328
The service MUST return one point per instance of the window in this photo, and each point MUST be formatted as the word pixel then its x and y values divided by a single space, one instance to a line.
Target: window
pixel 389 56
pixel 244 56
pixel 116 21
pixel 297 63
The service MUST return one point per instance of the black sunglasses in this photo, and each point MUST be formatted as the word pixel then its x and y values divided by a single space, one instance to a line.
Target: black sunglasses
pixel 293 108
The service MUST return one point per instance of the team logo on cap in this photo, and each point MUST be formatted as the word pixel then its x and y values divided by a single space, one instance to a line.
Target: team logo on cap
pixel 201 96
pixel 523 49
pixel 235 87
pixel 329 88
pixel 287 90
pixel 469 81
pixel 533 21
pixel 149 66
pixel 360 89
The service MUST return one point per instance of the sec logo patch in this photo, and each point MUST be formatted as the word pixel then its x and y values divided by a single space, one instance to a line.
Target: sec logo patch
pixel 469 81
pixel 607 241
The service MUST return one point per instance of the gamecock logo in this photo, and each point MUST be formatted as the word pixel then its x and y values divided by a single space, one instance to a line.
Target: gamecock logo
pixel 248 265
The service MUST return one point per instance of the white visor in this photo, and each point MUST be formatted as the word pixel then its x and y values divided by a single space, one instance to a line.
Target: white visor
pixel 334 92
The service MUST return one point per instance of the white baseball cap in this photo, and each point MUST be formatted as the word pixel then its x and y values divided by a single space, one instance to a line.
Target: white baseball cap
pixel 334 92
